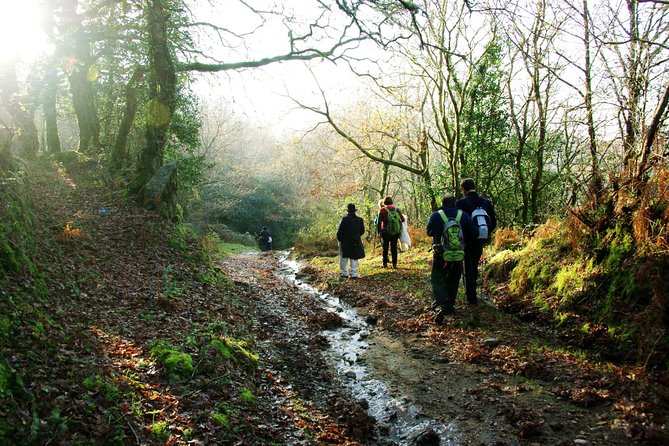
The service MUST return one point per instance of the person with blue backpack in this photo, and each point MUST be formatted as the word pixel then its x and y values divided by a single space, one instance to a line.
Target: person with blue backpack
pixel 389 228
pixel 483 216
pixel 451 229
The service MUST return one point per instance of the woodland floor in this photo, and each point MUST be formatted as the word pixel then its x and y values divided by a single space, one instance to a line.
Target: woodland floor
pixel 119 281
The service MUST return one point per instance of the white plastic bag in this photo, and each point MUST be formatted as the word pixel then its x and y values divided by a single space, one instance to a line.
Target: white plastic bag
pixel 405 240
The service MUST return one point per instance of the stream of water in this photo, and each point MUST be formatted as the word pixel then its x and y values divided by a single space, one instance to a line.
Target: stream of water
pixel 398 418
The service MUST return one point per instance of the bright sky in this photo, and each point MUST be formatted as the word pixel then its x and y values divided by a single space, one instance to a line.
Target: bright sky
pixel 20 34
pixel 261 94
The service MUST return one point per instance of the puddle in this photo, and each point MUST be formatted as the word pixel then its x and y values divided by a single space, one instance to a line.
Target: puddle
pixel 397 416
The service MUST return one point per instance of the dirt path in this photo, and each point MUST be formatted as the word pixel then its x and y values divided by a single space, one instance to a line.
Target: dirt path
pixel 485 405
pixel 288 323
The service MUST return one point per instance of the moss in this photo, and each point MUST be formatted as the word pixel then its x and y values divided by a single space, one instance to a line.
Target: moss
pixel 247 396
pixel 177 364
pixel 5 328
pixel 222 348
pixel 621 247
pixel 8 260
pixel 98 384
pixel 232 349
pixel 221 419
pixel 500 265
pixel 5 380
pixel 160 430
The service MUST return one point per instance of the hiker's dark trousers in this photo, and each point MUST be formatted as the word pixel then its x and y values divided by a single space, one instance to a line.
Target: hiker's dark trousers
pixel 390 241
pixel 445 278
pixel 473 252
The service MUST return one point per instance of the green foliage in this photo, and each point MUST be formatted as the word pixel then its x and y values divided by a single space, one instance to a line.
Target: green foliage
pixel 5 380
pixel 97 383
pixel 221 419
pixel 319 236
pixel 183 236
pixel 171 288
pixel 485 123
pixel 585 290
pixel 17 240
pixel 177 364
pixel 247 396
pixel 160 430
pixel 233 349
pixel 185 128
pixel 244 203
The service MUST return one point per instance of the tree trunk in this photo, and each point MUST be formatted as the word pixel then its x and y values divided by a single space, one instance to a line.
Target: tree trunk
pixel 651 133
pixel 120 154
pixel 632 127
pixel 542 111
pixel 162 84
pixel 81 80
pixel 5 149
pixel 596 180
pixel 50 113
pixel 28 140
pixel 84 109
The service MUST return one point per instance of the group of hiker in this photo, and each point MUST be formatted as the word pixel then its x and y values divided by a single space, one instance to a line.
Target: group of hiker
pixel 459 230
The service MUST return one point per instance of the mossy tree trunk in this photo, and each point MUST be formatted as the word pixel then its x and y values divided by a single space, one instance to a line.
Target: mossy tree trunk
pixel 23 119
pixel 120 154
pixel 162 84
pixel 50 111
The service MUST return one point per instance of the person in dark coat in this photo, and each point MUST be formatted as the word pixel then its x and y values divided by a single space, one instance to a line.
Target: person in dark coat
pixel 389 240
pixel 265 239
pixel 349 235
pixel 445 276
pixel 473 251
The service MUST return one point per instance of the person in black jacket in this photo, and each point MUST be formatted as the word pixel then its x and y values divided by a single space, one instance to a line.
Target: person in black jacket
pixel 265 239
pixel 445 276
pixel 351 227
pixel 473 251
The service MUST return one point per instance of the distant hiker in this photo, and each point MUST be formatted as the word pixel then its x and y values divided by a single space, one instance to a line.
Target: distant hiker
pixel 389 228
pixel 349 235
pixel 483 216
pixel 450 229
pixel 265 239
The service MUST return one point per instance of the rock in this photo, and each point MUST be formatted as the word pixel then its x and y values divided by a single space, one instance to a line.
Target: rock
pixel 350 374
pixel 384 429
pixel 425 438
pixel 580 441
pixel 371 320
pixel 491 342
pixel 160 191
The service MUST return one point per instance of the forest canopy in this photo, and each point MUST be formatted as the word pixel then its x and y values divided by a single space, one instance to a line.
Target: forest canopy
pixel 548 106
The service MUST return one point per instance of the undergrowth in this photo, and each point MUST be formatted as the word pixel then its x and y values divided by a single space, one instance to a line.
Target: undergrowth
pixel 597 275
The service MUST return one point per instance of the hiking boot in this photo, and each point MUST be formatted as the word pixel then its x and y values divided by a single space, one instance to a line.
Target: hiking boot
pixel 442 314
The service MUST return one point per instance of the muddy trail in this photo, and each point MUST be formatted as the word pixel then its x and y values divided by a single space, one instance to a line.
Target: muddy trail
pixel 379 369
